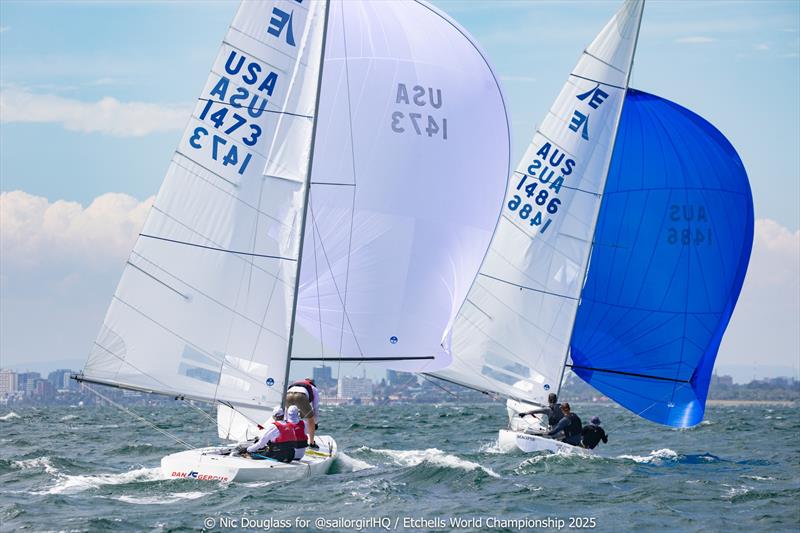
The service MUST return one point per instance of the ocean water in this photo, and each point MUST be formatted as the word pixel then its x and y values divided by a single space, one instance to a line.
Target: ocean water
pixel 96 469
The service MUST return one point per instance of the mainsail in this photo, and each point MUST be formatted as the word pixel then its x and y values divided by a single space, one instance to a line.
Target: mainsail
pixel 671 250
pixel 512 334
pixel 403 176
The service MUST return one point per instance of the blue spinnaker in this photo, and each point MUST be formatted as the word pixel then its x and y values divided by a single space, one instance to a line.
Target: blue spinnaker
pixel 671 248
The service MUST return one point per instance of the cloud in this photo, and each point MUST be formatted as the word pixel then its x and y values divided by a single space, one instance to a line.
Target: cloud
pixel 764 324
pixel 36 234
pixel 761 47
pixel 108 115
pixel 695 40
pixel 4 29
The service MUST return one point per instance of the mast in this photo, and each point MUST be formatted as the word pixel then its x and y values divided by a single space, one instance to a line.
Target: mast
pixel 597 214
pixel 303 216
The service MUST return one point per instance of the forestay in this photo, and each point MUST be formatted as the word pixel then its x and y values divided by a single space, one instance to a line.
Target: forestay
pixel 410 161
pixel 204 304
pixel 512 334
pixel 672 245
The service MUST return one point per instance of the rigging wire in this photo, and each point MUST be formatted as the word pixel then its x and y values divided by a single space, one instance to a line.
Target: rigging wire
pixel 141 418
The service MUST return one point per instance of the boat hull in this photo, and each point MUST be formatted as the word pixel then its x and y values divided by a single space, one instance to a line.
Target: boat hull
pixel 211 464
pixel 511 440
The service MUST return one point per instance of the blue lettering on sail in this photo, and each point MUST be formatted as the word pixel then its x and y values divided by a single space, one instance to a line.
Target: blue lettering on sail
pixel 541 186
pixel 418 122
pixel 578 120
pixel 280 20
pixel 596 96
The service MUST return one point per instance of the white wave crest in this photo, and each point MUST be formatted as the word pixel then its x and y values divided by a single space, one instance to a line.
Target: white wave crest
pixel 351 464
pixel 39 462
pixel 433 456
pixel 68 484
pixel 68 417
pixel 655 457
pixel 10 416
pixel 160 500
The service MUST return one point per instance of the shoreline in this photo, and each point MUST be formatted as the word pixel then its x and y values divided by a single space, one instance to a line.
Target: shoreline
pixel 783 403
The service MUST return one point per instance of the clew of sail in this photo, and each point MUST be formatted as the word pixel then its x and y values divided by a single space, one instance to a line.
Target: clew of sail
pixel 204 305
pixel 512 333
pixel 671 249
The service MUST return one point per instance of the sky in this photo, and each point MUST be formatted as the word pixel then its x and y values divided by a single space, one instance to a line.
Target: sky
pixel 94 96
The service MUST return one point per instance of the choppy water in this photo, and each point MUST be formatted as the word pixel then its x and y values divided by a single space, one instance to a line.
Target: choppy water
pixel 96 469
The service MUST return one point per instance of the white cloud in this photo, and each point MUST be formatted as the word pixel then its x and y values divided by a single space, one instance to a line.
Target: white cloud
pixel 762 47
pixel 4 29
pixel 36 234
pixel 108 115
pixel 695 40
pixel 764 328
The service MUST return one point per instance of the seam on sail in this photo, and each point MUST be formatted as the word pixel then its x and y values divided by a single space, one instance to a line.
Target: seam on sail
pixel 273 111
pixel 355 180
pixel 596 81
pixel 249 254
pixel 232 310
pixel 593 193
pixel 246 260
pixel 206 168
pixel 149 275
pixel 604 62
pixel 245 375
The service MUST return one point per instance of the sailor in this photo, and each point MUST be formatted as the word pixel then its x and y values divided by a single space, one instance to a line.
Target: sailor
pixel 592 434
pixel 570 424
pixel 305 396
pixel 553 411
pixel 282 440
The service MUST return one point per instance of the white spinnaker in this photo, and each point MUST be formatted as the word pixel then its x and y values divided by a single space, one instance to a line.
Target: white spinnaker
pixel 400 215
pixel 512 334
pixel 204 305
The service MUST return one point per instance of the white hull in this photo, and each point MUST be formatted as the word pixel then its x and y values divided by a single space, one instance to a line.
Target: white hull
pixel 510 440
pixel 209 464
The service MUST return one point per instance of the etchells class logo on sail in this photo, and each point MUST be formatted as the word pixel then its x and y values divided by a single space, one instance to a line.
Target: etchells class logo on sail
pixel 282 21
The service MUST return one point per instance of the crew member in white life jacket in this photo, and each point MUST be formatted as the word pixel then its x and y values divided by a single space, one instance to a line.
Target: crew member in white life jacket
pixel 305 396
pixel 282 440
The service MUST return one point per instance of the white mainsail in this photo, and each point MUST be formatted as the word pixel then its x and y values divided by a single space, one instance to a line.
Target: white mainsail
pixel 512 334
pixel 409 155
pixel 203 308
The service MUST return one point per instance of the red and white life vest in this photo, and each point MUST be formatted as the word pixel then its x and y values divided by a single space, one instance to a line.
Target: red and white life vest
pixel 293 433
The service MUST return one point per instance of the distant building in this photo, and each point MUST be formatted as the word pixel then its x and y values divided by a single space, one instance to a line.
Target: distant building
pixel 43 390
pixel 60 378
pixel 26 382
pixel 395 378
pixel 8 382
pixel 323 377
pixel 355 388
pixel 717 380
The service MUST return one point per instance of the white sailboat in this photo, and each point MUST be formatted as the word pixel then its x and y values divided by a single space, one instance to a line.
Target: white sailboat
pixel 620 253
pixel 331 199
